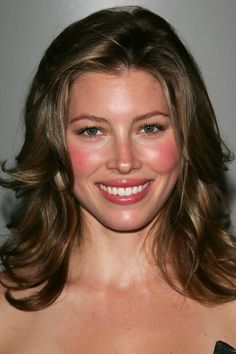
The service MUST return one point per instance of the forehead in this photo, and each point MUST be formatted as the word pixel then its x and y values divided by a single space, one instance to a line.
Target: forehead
pixel 109 93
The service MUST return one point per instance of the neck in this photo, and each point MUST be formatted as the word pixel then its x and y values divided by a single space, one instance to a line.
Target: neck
pixel 111 259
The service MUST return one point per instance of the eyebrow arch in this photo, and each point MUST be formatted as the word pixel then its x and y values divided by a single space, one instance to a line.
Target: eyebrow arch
pixel 101 119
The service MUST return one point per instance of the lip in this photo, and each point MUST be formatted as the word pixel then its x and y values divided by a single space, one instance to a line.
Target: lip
pixel 125 200
pixel 124 182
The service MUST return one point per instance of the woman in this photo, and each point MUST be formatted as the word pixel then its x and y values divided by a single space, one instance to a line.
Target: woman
pixel 120 245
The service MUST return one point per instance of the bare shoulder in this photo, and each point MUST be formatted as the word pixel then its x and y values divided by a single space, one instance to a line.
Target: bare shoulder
pixel 12 322
pixel 225 315
pixel 6 320
pixel 228 312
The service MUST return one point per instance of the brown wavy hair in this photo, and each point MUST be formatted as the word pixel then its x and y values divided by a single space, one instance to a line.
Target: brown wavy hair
pixel 192 229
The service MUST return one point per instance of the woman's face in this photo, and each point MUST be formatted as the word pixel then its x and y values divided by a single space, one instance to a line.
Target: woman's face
pixel 122 148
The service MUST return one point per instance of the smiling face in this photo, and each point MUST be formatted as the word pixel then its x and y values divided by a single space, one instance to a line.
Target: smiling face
pixel 122 148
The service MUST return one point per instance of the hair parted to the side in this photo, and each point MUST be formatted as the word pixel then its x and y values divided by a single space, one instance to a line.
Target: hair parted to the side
pixel 191 228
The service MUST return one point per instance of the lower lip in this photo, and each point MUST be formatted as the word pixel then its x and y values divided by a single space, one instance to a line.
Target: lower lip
pixel 126 200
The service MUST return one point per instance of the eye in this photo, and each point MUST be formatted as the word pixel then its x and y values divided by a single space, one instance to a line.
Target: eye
pixel 151 128
pixel 90 131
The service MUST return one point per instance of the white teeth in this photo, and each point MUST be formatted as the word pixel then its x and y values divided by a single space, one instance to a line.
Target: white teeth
pixel 123 191
pixel 135 190
pixel 114 191
pixel 128 191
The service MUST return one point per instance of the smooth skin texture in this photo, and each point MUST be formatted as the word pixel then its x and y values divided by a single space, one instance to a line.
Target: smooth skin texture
pixel 115 302
pixel 128 136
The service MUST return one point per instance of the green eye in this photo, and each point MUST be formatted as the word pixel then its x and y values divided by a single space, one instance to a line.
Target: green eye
pixel 150 128
pixel 90 131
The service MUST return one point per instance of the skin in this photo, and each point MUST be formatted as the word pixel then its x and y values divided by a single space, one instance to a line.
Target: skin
pixel 121 148
pixel 115 301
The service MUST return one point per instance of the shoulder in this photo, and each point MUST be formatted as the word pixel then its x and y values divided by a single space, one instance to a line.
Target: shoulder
pixel 11 323
pixel 6 320
pixel 225 315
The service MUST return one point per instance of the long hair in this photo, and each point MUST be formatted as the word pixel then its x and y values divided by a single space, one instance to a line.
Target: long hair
pixel 192 224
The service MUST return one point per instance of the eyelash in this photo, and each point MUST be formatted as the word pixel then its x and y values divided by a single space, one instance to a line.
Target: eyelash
pixel 158 126
pixel 85 129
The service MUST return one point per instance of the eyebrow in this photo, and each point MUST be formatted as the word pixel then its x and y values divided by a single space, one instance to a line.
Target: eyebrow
pixel 92 117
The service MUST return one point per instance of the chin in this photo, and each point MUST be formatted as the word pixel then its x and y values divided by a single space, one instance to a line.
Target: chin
pixel 126 221
pixel 131 225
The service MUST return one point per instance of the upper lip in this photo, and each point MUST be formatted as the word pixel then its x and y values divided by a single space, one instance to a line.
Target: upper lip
pixel 124 182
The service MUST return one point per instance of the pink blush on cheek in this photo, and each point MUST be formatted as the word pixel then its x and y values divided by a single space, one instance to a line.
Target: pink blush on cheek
pixel 166 156
pixel 82 161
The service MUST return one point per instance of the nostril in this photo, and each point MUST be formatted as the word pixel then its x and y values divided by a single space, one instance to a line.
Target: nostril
pixel 124 167
pixel 123 158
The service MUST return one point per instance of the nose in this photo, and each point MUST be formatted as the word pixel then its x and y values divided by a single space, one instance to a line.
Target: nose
pixel 123 157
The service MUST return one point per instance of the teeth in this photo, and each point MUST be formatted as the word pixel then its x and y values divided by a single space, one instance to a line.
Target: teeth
pixel 114 191
pixel 135 190
pixel 123 191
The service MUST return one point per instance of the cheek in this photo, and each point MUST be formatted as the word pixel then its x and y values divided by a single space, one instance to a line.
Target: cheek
pixel 164 156
pixel 84 161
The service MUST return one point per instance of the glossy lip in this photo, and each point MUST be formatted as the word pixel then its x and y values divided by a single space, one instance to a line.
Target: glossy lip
pixel 124 182
pixel 126 200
